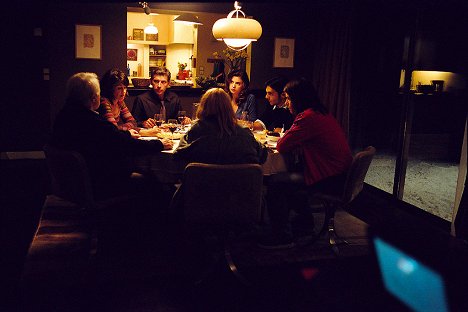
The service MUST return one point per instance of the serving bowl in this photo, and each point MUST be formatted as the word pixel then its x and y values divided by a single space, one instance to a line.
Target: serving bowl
pixel 141 82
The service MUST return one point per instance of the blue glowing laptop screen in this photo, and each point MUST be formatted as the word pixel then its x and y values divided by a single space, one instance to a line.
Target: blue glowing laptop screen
pixel 416 285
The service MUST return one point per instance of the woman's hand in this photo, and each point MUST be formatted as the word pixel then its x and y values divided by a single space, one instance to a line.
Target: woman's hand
pixel 167 143
pixel 186 121
pixel 149 123
pixel 134 133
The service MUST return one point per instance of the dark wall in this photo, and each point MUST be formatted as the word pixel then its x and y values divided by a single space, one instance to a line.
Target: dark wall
pixel 32 101
pixel 62 19
pixel 45 41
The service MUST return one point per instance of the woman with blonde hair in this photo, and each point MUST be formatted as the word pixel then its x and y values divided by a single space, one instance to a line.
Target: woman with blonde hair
pixel 216 137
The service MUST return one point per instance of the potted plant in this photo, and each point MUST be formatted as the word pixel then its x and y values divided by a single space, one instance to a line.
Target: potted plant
pixel 183 74
pixel 235 60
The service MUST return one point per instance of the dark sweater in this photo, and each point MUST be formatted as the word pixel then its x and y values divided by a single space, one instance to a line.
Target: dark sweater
pixel 203 143
pixel 106 149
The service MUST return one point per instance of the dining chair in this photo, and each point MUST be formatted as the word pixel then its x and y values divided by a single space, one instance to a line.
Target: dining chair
pixel 221 200
pixel 71 186
pixel 70 179
pixel 352 188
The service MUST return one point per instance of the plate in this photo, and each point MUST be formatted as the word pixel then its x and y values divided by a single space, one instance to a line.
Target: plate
pixel 168 135
pixel 272 138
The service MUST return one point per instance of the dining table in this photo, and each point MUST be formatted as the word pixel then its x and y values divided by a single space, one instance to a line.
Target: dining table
pixel 166 169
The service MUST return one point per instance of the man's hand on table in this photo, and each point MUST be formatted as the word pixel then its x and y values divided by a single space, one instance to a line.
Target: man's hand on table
pixel 149 123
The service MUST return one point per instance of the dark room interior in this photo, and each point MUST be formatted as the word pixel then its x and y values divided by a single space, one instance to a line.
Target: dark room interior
pixel 362 56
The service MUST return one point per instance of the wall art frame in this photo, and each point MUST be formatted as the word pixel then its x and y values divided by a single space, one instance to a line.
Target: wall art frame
pixel 284 53
pixel 88 42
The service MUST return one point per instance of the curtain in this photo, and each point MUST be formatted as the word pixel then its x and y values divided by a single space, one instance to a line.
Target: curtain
pixel 332 62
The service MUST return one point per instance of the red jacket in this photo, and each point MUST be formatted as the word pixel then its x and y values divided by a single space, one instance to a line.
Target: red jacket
pixel 322 143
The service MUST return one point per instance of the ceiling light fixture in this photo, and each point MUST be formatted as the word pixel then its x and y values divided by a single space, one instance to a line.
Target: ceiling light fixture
pixel 146 8
pixel 151 29
pixel 188 18
pixel 237 32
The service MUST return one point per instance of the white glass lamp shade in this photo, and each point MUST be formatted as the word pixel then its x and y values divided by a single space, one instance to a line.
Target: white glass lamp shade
pixel 237 33
pixel 151 29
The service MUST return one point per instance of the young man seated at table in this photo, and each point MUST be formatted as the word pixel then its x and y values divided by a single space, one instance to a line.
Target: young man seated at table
pixel 105 148
pixel 157 101
pixel 317 139
pixel 278 115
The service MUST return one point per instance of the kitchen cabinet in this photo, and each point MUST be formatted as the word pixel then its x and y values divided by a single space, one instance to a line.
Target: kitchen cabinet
pixel 157 56
pixel 181 33
pixel 176 43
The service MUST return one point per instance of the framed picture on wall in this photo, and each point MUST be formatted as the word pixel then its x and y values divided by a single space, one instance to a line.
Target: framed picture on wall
pixel 284 53
pixel 88 42
pixel 132 54
pixel 138 34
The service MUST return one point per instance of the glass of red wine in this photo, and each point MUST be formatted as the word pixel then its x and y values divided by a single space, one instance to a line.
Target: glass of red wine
pixel 158 118
pixel 181 116
pixel 172 125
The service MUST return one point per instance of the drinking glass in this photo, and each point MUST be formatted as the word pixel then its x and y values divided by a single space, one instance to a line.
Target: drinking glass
pixel 158 119
pixel 181 116
pixel 172 125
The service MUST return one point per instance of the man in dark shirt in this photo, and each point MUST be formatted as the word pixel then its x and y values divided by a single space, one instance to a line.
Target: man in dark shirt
pixel 106 150
pixel 156 101
pixel 279 115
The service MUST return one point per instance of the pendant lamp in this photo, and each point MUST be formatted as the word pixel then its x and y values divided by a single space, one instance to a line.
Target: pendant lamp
pixel 237 31
pixel 151 29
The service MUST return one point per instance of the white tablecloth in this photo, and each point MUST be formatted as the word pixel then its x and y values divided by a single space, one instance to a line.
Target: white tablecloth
pixel 167 170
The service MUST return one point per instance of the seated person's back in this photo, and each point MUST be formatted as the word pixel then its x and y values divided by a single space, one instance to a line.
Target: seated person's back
pixel 105 148
pixel 216 137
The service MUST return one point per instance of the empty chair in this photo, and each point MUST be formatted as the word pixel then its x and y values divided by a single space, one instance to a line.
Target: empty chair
pixel 220 199
pixel 352 187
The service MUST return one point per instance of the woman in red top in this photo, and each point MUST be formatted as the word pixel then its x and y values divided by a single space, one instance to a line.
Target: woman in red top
pixel 317 140
pixel 114 85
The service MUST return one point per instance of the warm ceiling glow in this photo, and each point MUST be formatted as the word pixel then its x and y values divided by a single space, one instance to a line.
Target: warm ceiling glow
pixel 237 31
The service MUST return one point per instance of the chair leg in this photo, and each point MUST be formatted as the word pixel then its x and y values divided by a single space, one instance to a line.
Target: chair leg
pixel 233 267
pixel 328 228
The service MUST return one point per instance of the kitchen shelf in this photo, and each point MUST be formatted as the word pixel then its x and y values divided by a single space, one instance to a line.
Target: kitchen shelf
pixel 147 42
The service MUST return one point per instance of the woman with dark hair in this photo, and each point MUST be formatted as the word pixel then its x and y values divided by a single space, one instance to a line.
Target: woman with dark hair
pixel 317 140
pixel 237 86
pixel 216 137
pixel 114 85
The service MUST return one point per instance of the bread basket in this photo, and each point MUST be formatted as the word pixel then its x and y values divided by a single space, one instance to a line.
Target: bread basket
pixel 141 82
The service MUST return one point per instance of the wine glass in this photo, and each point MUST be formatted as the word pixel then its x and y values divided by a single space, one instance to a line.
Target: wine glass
pixel 158 119
pixel 172 125
pixel 181 116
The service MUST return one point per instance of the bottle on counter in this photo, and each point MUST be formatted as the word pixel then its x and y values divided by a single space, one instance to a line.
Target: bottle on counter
pixel 139 70
pixel 128 70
